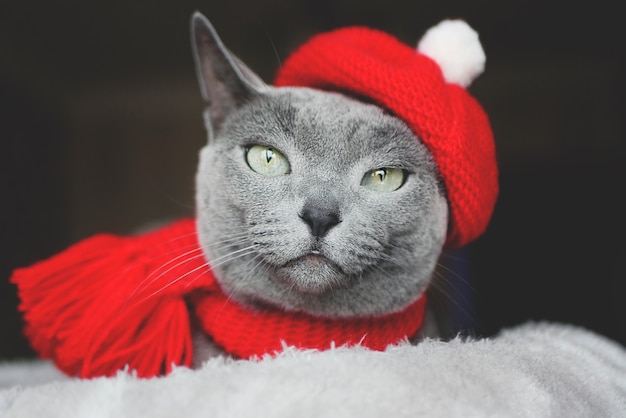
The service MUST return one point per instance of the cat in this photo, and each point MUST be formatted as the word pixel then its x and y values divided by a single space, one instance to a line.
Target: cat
pixel 311 201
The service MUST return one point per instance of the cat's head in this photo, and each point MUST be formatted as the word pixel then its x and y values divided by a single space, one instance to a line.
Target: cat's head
pixel 309 200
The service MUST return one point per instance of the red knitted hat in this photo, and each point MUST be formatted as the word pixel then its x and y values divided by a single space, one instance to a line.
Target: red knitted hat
pixel 425 87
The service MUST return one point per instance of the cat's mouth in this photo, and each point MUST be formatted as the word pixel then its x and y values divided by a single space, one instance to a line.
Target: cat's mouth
pixel 312 273
pixel 315 258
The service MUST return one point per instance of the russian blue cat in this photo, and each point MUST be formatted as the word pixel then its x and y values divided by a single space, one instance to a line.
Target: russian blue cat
pixel 308 200
pixel 324 202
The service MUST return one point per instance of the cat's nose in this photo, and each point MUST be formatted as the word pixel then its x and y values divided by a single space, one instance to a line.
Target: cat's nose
pixel 319 220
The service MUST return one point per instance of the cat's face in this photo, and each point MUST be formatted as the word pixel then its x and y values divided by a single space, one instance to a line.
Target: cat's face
pixel 312 201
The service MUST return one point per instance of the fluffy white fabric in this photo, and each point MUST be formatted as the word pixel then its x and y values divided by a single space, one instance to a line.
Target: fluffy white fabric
pixel 535 370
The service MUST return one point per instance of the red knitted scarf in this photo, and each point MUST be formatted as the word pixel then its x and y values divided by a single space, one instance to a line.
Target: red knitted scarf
pixel 112 302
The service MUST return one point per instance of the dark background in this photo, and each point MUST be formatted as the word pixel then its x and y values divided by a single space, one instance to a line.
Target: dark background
pixel 101 122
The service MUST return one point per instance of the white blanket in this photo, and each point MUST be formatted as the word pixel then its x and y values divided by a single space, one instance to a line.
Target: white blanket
pixel 535 370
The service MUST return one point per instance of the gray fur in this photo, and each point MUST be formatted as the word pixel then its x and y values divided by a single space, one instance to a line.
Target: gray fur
pixel 380 253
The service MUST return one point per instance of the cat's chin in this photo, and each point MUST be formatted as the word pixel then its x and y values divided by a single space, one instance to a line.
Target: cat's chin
pixel 312 274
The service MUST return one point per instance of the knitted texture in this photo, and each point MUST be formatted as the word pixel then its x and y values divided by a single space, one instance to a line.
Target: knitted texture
pixel 112 302
pixel 372 65
pixel 268 330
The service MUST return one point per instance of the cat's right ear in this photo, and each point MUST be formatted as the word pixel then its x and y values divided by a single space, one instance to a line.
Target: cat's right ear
pixel 225 81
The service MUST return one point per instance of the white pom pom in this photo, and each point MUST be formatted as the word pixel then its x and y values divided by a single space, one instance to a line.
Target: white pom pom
pixel 454 45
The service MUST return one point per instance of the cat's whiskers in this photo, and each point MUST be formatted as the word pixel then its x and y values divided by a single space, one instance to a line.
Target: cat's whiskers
pixel 181 260
pixel 241 283
pixel 225 258
pixel 167 243
pixel 381 258
pixel 380 270
pixel 171 283
pixel 388 258
pixel 178 261
pixel 217 262
pixel 456 276
pixel 173 263
pixel 444 287
pixel 233 239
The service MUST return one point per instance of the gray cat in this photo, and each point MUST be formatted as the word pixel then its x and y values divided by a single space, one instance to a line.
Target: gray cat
pixel 308 200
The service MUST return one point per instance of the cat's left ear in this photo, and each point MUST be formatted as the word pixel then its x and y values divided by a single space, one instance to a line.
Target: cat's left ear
pixel 225 81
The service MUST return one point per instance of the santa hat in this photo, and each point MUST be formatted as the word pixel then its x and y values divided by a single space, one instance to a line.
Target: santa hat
pixel 426 88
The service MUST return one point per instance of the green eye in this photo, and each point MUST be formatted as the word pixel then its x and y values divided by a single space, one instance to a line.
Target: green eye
pixel 384 179
pixel 267 161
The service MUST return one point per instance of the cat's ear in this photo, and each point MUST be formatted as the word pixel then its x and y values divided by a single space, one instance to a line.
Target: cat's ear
pixel 225 81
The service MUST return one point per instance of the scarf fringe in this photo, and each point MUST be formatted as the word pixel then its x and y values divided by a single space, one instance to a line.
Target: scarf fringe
pixel 107 303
